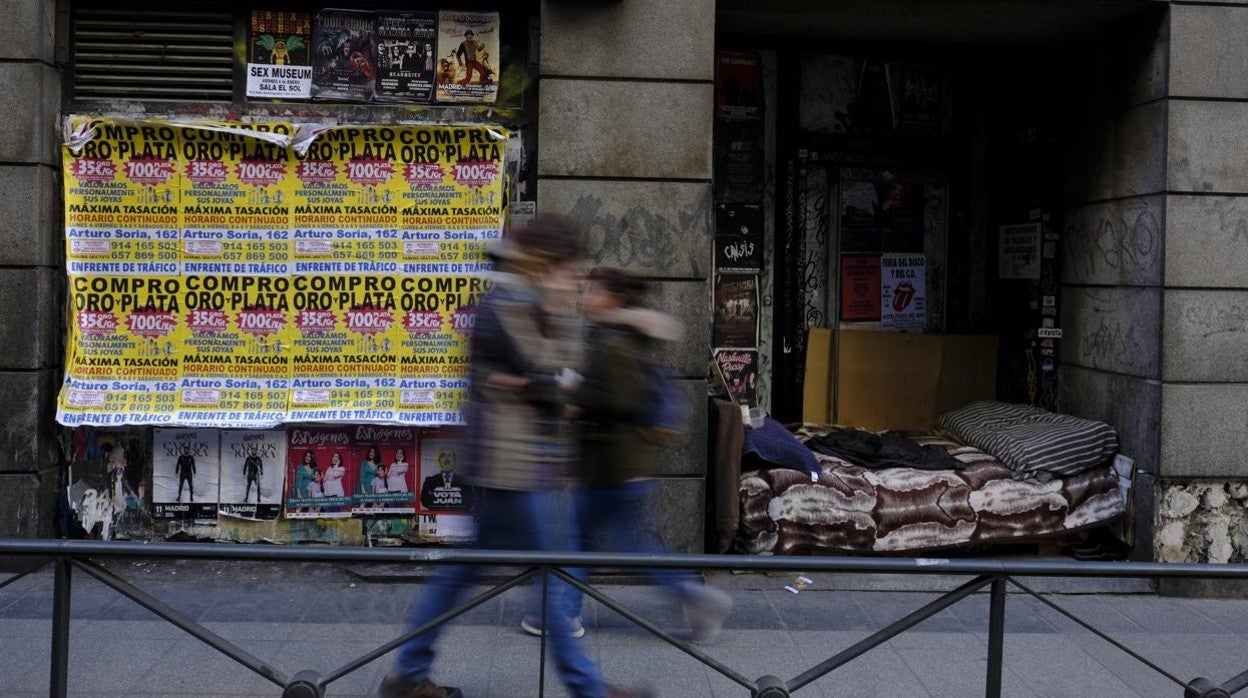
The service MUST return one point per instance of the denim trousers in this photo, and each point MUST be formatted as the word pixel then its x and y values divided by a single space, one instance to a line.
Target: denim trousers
pixel 506 520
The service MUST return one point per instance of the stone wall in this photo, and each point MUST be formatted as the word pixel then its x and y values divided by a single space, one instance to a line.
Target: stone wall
pixel 624 147
pixel 1204 358
pixel 1112 271
pixel 30 268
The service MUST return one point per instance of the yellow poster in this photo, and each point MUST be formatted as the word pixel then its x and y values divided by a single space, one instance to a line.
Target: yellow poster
pixel 247 275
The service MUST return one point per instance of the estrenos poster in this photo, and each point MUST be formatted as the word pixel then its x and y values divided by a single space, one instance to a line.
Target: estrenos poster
pixel 321 473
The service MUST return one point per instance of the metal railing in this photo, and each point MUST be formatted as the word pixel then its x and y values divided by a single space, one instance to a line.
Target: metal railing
pixel 68 556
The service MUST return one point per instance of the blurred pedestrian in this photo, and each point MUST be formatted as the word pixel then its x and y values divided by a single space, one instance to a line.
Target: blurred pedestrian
pixel 517 445
pixel 625 405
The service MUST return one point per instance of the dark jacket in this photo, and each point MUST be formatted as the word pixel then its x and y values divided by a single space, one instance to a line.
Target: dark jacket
pixel 614 397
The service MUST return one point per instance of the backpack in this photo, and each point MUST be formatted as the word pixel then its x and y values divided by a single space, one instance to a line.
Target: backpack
pixel 666 405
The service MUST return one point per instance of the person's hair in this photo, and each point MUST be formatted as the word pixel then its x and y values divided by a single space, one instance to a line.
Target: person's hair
pixel 629 289
pixel 338 455
pixel 552 237
pixel 309 461
pixel 372 451
pixel 469 33
pixel 397 451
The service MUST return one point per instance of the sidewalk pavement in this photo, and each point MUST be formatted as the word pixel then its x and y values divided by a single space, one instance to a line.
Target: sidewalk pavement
pixel 309 617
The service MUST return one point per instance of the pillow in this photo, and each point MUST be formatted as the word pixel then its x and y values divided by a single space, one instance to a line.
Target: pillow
pixel 1029 440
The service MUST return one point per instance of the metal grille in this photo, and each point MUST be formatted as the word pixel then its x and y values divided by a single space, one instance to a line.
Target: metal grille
pixel 123 52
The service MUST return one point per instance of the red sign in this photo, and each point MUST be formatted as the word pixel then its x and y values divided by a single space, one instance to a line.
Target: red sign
pixel 860 288
pixel 316 172
pixel 151 323
pixel 369 172
pixel 262 173
pixel 149 170
pixel 261 321
pixel 419 322
pixel 207 321
pixel 93 170
pixel 369 320
pixel 475 174
pixel 424 175
pixel 206 171
pixel 316 321
pixel 95 323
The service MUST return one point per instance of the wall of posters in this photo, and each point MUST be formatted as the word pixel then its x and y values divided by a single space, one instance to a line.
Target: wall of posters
pixel 279 57
pixel 253 469
pixel 221 277
pixel 903 292
pixel 468 50
pixel 185 473
pixel 344 55
pixel 405 56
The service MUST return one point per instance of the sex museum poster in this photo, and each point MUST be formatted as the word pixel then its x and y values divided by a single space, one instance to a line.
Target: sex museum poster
pixel 279 57
pixel 185 474
pixel 253 472
pixel 220 278
pixel 468 55
pixel 405 56
pixel 344 56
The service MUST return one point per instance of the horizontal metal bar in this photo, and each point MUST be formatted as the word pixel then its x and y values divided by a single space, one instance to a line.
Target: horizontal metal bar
pixel 887 633
pixel 435 622
pixel 437 556
pixel 199 632
pixel 1132 653
pixel 642 623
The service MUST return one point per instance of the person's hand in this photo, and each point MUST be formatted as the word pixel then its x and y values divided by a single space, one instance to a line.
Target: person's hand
pixel 568 380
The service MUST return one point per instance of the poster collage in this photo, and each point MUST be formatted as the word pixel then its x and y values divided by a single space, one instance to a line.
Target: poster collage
pixel 450 56
pixel 201 475
pixel 251 275
pixel 738 189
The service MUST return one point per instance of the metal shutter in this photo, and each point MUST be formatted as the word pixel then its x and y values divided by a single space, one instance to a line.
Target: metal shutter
pixel 124 51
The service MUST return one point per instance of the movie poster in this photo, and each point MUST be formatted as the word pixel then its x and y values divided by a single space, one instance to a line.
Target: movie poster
pixel 468 53
pixel 108 482
pixel 405 56
pixel 860 288
pixel 739 367
pixel 344 58
pixel 442 487
pixel 253 469
pixel 738 239
pixel 736 311
pixel 186 467
pixel 903 292
pixel 279 59
pixel 321 472
pixel 739 86
pixel 386 482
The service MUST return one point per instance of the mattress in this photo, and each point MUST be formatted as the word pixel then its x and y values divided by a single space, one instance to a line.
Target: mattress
pixel 897 510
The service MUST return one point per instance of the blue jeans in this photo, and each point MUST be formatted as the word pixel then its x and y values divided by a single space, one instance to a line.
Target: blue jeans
pixel 615 513
pixel 506 520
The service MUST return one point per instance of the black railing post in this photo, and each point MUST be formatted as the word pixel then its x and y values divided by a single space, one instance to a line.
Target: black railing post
pixel 541 656
pixel 996 637
pixel 60 628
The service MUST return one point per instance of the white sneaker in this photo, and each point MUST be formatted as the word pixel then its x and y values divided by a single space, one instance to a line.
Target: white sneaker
pixel 706 608
pixel 533 626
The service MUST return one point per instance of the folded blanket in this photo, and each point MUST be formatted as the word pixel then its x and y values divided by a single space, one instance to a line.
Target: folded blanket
pixel 1029 440
pixel 773 446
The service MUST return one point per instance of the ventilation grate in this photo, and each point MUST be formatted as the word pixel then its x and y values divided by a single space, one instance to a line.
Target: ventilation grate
pixel 153 54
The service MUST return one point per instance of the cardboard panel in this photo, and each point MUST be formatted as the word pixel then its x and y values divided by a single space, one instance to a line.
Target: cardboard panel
pixel 887 380
pixel 968 372
pixel 816 388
